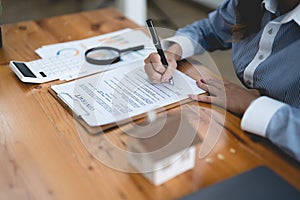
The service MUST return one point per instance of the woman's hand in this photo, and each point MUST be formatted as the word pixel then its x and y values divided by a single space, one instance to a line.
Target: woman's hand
pixel 226 94
pixel 156 72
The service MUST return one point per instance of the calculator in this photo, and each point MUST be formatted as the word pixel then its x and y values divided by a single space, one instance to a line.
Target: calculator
pixel 46 69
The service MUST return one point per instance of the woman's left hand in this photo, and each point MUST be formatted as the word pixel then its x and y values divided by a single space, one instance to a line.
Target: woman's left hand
pixel 226 94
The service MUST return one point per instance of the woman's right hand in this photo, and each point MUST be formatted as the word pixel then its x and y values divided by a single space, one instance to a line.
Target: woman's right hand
pixel 156 72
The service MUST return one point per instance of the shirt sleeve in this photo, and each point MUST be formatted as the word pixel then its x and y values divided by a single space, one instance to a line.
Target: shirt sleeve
pixel 277 121
pixel 212 33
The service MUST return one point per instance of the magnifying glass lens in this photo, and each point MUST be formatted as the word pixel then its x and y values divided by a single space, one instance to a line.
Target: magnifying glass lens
pixel 106 55
pixel 103 54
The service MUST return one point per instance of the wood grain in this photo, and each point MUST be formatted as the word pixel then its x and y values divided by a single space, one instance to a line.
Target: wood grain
pixel 46 154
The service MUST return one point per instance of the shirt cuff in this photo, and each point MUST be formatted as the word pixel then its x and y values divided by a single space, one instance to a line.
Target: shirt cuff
pixel 185 43
pixel 258 115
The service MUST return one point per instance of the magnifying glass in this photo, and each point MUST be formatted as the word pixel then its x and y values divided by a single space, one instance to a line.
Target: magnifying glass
pixel 107 55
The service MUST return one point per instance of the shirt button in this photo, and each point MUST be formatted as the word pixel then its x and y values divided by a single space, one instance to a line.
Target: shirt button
pixel 248 82
pixel 270 31
pixel 260 57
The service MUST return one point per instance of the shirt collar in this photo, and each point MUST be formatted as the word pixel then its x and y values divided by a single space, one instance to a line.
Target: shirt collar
pixel 271 6
pixel 293 15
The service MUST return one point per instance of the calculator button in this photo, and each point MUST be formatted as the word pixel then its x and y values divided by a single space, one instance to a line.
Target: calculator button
pixel 43 74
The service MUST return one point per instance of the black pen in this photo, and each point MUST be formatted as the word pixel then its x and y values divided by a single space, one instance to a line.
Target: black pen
pixel 157 45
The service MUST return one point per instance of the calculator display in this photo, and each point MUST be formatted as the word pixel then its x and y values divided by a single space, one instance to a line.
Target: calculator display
pixel 24 69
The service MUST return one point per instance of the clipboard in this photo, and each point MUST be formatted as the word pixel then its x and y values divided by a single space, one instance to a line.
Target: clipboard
pixel 113 98
pixel 94 130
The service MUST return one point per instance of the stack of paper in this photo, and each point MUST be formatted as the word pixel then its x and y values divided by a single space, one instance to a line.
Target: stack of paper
pixel 75 50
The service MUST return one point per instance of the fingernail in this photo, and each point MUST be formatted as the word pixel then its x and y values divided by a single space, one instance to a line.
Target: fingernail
pixel 203 81
pixel 165 79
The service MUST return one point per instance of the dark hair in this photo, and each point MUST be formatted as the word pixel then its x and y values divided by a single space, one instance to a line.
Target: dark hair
pixel 248 18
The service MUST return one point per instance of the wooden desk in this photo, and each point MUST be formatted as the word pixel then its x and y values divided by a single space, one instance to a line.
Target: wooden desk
pixel 41 153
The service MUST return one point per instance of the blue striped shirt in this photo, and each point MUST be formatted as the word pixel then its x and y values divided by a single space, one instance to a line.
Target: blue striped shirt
pixel 268 61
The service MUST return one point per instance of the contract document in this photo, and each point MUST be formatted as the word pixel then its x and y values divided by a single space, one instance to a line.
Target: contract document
pixel 121 93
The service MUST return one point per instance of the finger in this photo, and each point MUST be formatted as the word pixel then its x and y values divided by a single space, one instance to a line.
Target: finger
pixel 202 98
pixel 215 83
pixel 214 87
pixel 155 77
pixel 211 89
pixel 208 99
pixel 168 74
pixel 156 64
pixel 172 65
pixel 150 57
pixel 202 84
pixel 158 67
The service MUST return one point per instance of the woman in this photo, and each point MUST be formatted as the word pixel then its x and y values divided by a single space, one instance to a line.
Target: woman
pixel 265 39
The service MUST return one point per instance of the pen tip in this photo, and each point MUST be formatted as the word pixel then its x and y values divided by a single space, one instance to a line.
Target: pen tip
pixel 171 81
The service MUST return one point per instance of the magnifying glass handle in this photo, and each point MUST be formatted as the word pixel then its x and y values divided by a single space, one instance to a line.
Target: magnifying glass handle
pixel 139 47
